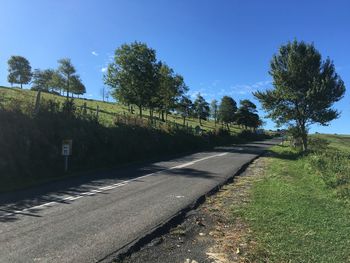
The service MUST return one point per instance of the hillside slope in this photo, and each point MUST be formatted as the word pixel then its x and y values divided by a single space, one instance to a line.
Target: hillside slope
pixel 31 137
pixel 107 110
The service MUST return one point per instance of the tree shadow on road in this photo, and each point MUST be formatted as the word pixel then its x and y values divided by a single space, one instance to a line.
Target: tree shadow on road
pixel 57 191
pixel 25 203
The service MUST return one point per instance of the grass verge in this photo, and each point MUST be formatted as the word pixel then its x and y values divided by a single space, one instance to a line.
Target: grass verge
pixel 295 217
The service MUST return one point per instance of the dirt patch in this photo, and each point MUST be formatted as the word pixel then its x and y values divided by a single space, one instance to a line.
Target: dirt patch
pixel 210 233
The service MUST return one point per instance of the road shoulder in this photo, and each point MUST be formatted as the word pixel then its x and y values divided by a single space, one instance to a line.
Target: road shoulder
pixel 208 233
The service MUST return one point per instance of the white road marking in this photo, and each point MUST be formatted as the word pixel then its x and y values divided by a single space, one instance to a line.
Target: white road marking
pixel 110 187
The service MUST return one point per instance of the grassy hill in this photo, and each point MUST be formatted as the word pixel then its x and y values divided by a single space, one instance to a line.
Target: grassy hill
pixel 340 142
pixel 107 110
pixel 31 144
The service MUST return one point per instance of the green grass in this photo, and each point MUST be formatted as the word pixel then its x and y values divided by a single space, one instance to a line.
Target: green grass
pixel 30 149
pixel 107 110
pixel 295 217
pixel 340 142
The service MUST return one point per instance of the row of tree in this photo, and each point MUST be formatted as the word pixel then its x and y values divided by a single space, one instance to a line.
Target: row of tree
pixel 305 87
pixel 137 78
pixel 226 112
pixel 63 79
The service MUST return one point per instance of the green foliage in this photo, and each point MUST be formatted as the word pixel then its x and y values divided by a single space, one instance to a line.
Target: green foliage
pixel 248 105
pixel 185 108
pixel 331 164
pixel 77 87
pixel 246 115
pixel 338 142
pixel 305 88
pixel 171 88
pixel 68 78
pixel 201 108
pixel 31 143
pixel 107 111
pixel 20 71
pixel 227 110
pixel 57 82
pixel 133 75
pixel 42 80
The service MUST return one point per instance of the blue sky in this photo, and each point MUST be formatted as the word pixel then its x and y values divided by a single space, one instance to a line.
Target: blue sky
pixel 220 47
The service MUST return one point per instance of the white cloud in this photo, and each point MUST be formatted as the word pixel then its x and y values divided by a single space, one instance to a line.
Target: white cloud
pixel 243 89
pixel 94 53
pixel 104 69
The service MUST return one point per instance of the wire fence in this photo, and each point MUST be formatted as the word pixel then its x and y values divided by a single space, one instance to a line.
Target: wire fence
pixel 30 103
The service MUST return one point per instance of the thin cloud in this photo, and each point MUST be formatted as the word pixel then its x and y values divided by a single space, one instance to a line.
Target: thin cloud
pixel 94 53
pixel 243 89
pixel 104 69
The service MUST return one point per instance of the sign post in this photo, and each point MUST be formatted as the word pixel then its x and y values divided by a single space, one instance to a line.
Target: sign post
pixel 66 152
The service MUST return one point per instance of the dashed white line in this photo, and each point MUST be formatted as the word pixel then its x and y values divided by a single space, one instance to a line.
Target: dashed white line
pixel 110 187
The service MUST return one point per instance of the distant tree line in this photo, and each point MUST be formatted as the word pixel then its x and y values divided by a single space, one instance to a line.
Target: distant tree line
pixel 137 78
pixel 63 79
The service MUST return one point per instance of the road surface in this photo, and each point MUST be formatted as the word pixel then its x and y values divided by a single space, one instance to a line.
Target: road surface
pixel 90 218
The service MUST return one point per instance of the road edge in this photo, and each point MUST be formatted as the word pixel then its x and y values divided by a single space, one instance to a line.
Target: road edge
pixel 172 221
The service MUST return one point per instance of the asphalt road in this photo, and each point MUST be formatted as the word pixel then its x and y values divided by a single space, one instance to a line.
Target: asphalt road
pixel 86 219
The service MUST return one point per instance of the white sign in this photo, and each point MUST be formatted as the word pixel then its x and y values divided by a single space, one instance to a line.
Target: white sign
pixel 65 150
pixel 67 147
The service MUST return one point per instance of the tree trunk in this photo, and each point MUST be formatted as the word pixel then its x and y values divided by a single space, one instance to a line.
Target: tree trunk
pixel 304 141
pixel 151 114
pixel 140 109
pixel 200 121
pixel 184 120
pixel 68 77
pixel 162 115
pixel 21 86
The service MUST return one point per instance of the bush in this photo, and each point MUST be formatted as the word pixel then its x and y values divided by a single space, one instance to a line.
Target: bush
pixel 333 166
pixel 31 142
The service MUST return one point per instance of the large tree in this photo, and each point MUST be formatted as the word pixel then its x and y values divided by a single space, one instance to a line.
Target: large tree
pixel 227 110
pixel 171 88
pixel 77 86
pixel 184 107
pixel 201 108
pixel 133 76
pixel 248 105
pixel 42 79
pixel 20 71
pixel 67 72
pixel 58 82
pixel 246 115
pixel 305 88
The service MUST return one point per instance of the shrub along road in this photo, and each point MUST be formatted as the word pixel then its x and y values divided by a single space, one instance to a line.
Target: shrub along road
pixel 96 217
